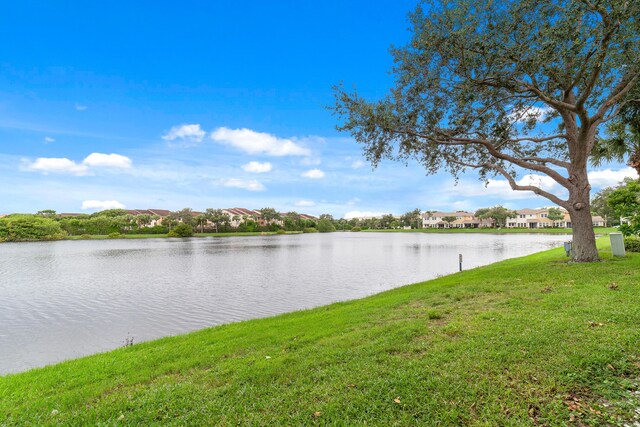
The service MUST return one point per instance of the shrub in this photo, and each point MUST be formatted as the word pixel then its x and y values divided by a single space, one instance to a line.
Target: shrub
pixel 22 228
pixel 281 231
pixel 86 236
pixel 310 230
pixel 325 226
pixel 632 244
pixel 115 235
pixel 157 229
pixel 356 228
pixel 181 230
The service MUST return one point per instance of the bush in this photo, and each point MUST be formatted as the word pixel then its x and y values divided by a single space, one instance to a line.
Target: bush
pixel 629 230
pixel 114 235
pixel 632 244
pixel 325 226
pixel 157 229
pixel 23 228
pixel 309 230
pixel 356 228
pixel 181 230
pixel 86 236
pixel 281 231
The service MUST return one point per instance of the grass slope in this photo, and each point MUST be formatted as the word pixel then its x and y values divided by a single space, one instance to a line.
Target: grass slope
pixel 529 341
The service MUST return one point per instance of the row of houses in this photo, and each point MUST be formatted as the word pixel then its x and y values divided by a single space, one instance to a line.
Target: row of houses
pixel 237 216
pixel 525 218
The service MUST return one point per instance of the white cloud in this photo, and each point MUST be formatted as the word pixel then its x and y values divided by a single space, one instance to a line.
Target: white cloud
pixel 257 167
pixel 185 135
pixel 538 113
pixel 81 107
pixel 63 165
pixel 313 174
pixel 353 201
pixel 609 178
pixel 249 185
pixel 310 161
pixel 363 214
pixel 48 139
pixel 48 165
pixel 252 142
pixel 357 164
pixel 101 205
pixel 305 203
pixel 101 160
pixel 501 188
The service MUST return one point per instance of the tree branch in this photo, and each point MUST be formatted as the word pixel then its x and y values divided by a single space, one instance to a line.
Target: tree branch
pixel 619 109
pixel 503 156
pixel 493 151
pixel 512 182
pixel 618 92
pixel 551 160
pixel 558 105
pixel 537 190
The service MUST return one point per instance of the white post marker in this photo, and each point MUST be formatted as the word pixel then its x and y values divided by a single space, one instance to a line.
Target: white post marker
pixel 460 261
pixel 617 244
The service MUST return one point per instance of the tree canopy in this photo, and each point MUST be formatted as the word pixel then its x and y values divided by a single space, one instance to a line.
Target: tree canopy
pixel 622 139
pixel 625 201
pixel 411 218
pixel 506 88
pixel 555 214
pixel 498 214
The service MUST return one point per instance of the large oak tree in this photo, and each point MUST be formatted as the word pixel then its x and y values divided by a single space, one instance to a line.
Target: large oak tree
pixel 507 88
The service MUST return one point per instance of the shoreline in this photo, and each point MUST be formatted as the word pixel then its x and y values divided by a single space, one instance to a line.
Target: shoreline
pixel 551 231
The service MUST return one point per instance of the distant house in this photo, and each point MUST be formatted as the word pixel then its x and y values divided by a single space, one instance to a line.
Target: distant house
pixel 237 216
pixel 539 218
pixel 462 220
pixel 159 213
pixel 598 221
pixel 240 215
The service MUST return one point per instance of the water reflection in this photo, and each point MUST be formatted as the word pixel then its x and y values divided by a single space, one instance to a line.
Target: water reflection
pixel 60 300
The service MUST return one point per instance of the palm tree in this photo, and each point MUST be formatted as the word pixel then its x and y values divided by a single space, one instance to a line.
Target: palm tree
pixel 217 217
pixel 624 136
pixel 143 220
pixel 200 220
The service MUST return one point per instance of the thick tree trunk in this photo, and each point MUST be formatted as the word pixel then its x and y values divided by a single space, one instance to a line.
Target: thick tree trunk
pixel 579 203
pixel 584 239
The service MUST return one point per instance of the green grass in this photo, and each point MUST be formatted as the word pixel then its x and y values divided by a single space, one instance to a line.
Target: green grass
pixel 529 341
pixel 598 230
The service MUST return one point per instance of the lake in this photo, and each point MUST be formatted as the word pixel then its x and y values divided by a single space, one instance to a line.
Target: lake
pixel 61 300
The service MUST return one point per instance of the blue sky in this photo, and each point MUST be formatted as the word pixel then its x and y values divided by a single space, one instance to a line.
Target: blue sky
pixel 207 104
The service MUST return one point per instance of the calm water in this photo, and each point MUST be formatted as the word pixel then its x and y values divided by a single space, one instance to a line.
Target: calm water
pixel 60 300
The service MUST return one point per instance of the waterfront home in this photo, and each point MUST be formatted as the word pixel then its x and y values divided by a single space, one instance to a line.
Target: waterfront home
pixel 539 218
pixel 463 219
pixel 238 216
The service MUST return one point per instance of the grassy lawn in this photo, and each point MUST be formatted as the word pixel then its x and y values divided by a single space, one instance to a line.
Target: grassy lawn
pixel 529 341
pixel 598 230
